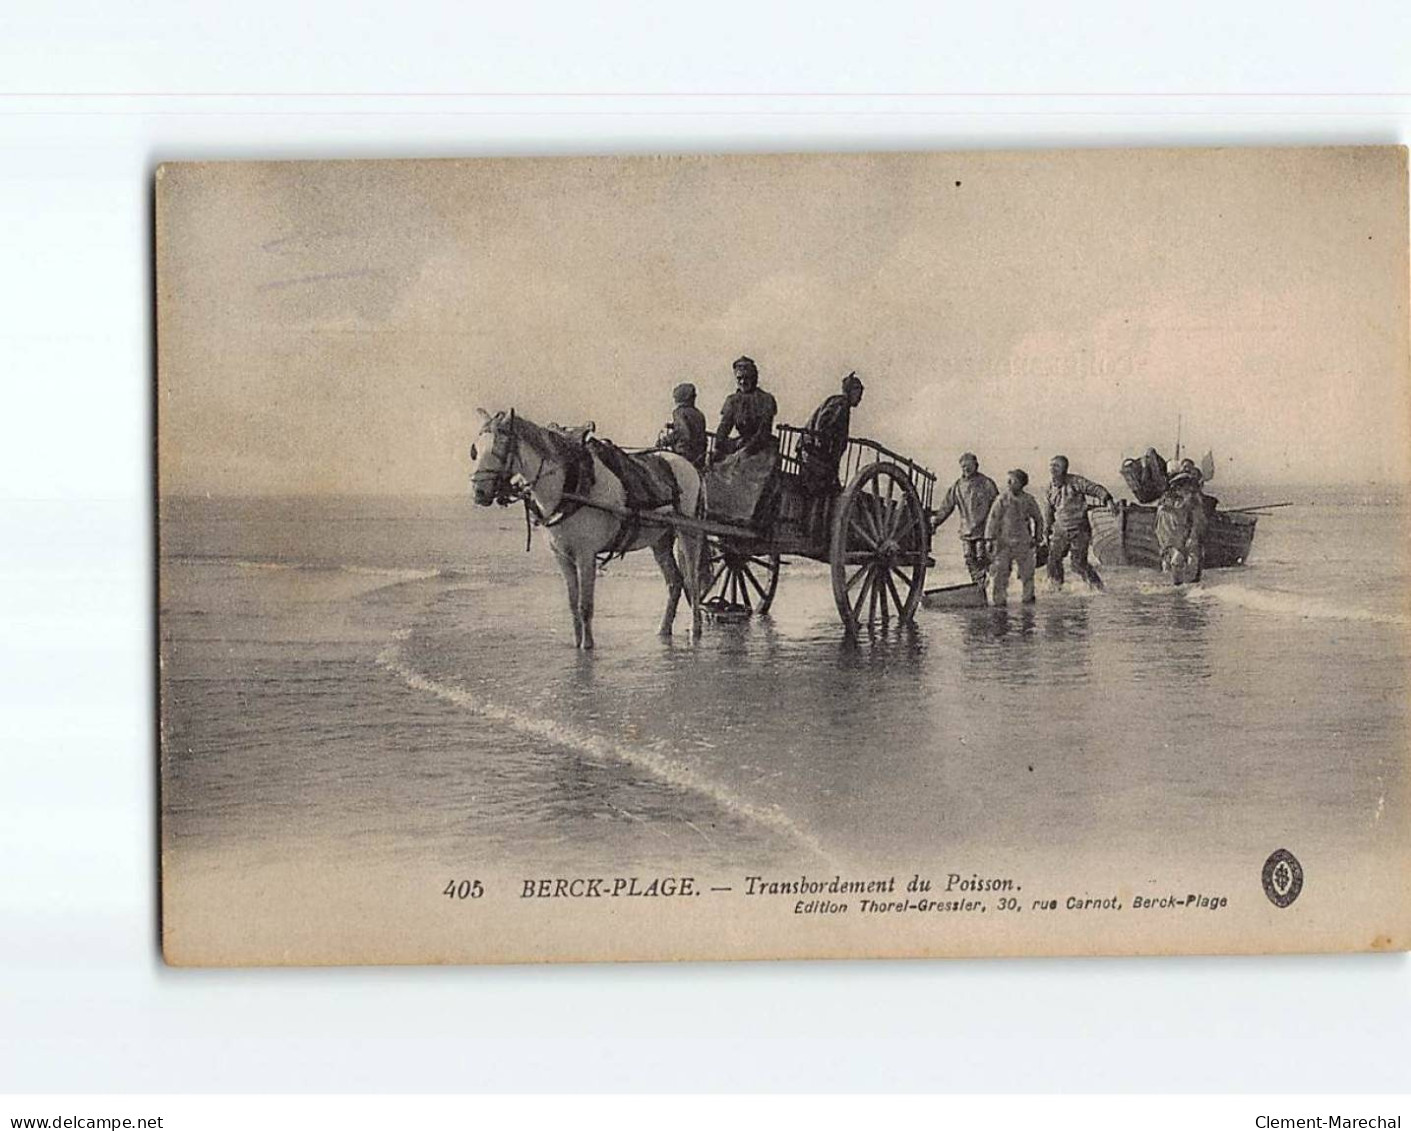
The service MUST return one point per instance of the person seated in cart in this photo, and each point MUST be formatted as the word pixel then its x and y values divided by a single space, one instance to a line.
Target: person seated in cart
pixel 686 434
pixel 1181 521
pixel 821 450
pixel 1014 529
pixel 740 482
pixel 822 446
pixel 972 495
pixel 748 412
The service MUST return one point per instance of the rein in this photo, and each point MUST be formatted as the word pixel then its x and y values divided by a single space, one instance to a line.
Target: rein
pixel 506 492
pixel 503 491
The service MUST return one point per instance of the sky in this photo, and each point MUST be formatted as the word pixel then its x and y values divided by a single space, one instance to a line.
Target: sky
pixel 331 327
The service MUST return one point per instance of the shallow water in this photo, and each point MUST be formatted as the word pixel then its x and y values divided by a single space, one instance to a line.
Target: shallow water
pixel 394 681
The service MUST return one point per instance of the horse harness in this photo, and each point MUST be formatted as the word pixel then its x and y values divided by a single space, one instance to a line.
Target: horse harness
pixel 647 482
pixel 578 479
pixel 577 473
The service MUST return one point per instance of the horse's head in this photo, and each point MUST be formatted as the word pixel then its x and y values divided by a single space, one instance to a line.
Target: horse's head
pixel 494 456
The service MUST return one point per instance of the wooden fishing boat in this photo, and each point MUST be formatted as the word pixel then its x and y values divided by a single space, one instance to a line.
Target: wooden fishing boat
pixel 1127 537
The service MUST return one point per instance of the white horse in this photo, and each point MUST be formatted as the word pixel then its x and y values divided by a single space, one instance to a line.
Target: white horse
pixel 514 459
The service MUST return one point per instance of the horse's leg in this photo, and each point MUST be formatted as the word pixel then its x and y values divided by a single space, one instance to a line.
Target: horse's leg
pixel 688 557
pixel 570 579
pixel 661 550
pixel 587 578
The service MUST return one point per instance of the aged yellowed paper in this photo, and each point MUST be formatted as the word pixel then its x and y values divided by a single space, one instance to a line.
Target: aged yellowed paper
pixel 641 558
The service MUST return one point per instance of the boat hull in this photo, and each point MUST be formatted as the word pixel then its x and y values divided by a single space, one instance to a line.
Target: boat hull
pixel 1127 537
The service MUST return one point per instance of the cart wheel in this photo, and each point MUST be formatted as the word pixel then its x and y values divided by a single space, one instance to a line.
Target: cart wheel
pixel 880 548
pixel 741 580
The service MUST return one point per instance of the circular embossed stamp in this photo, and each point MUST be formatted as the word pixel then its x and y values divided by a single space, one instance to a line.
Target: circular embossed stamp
pixel 1283 878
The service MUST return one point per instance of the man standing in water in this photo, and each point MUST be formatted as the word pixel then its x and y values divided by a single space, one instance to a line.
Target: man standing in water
pixel 972 494
pixel 1013 529
pixel 748 412
pixel 1066 521
pixel 1181 522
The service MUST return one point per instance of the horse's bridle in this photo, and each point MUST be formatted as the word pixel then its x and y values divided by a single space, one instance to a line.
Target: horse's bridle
pixel 503 490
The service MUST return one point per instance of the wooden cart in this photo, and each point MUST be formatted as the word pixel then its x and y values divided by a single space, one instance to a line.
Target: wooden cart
pixel 872 527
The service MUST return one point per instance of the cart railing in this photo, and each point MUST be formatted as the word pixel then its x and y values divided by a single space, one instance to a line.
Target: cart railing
pixel 859 453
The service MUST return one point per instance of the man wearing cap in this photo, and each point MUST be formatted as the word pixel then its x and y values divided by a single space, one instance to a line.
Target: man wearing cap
pixel 686 434
pixel 1013 528
pixel 1066 521
pixel 1181 521
pixel 822 446
pixel 972 494
pixel 821 450
pixel 748 412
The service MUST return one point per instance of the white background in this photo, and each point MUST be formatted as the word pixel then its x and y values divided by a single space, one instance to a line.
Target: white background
pixel 93 95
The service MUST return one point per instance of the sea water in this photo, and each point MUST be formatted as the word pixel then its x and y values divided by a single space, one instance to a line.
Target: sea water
pixel 392 683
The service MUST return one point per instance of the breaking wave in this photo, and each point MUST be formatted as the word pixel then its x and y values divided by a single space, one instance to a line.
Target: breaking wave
pixel 1283 603
pixel 653 760
pixel 394 575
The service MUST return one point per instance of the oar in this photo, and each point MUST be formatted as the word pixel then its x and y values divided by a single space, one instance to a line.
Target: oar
pixel 1259 507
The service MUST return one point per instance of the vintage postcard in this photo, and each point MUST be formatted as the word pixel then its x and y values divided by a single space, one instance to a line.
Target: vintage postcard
pixel 784 556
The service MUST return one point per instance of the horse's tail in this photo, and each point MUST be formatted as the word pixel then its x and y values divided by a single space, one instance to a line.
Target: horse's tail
pixel 690 485
pixel 699 511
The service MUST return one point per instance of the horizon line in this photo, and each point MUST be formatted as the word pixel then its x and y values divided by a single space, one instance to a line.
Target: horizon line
pixel 1370 484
